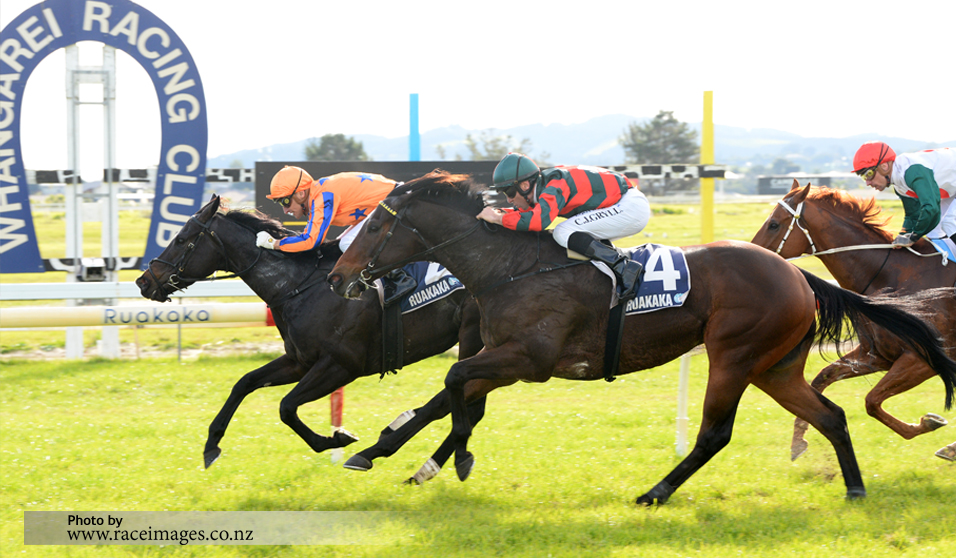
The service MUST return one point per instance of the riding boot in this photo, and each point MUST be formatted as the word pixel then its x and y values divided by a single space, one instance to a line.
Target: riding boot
pixel 628 271
pixel 398 284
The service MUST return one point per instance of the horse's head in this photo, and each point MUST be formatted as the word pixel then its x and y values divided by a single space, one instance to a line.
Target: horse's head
pixel 395 233
pixel 826 218
pixel 168 273
pixel 777 232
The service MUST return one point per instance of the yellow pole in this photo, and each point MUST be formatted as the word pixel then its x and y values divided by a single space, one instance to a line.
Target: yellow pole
pixel 707 158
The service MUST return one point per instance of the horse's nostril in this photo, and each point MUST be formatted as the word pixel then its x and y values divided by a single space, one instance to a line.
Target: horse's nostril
pixel 335 280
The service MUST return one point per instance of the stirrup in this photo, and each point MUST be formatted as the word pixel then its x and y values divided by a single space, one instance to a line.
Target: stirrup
pixel 572 255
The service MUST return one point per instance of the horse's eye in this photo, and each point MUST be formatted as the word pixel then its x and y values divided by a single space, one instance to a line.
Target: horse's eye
pixel 773 226
pixel 373 227
pixel 180 240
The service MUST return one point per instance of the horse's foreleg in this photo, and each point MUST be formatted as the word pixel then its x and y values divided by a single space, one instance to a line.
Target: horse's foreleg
pixel 717 423
pixel 906 373
pixel 503 365
pixel 323 378
pixel 280 371
pixel 400 431
pixel 858 362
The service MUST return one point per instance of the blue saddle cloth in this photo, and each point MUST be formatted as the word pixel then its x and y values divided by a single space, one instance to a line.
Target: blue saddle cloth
pixel 666 279
pixel 944 247
pixel 434 283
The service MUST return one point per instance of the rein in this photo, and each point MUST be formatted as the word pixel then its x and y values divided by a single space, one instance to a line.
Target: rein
pixel 537 259
pixel 174 280
pixel 365 277
pixel 796 214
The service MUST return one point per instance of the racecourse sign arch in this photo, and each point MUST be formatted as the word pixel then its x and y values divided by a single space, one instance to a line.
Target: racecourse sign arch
pixel 180 176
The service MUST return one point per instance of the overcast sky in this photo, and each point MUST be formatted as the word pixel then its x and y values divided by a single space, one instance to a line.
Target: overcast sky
pixel 280 71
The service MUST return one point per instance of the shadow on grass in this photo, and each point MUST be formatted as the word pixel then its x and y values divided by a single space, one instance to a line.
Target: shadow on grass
pixel 911 502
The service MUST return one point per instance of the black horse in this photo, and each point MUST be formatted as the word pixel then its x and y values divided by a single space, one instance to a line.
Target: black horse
pixel 541 317
pixel 329 341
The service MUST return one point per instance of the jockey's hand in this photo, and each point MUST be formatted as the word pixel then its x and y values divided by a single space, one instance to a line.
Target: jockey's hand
pixel 265 240
pixel 903 240
pixel 491 215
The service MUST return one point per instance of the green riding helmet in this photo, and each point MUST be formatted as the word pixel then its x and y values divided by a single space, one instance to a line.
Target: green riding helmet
pixel 512 169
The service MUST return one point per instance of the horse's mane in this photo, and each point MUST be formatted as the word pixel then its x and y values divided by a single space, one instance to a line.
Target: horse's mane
pixel 856 209
pixel 457 191
pixel 257 221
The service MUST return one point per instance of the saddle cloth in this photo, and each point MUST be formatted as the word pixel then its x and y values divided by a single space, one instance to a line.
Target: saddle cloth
pixel 665 283
pixel 434 283
pixel 945 246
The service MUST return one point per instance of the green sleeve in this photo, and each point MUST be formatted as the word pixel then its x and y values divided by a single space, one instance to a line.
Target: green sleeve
pixel 922 215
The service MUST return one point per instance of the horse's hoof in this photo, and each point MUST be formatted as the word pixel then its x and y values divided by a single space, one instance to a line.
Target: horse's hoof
pixel 657 495
pixel 948 453
pixel 464 466
pixel 211 456
pixel 855 493
pixel 358 463
pixel 343 438
pixel 932 421
pixel 798 448
pixel 428 471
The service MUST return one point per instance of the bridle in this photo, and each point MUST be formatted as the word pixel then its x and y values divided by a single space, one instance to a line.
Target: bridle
pixel 365 276
pixel 797 212
pixel 174 282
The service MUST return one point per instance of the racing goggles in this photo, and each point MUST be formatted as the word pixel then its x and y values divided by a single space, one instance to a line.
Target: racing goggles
pixel 510 191
pixel 867 174
pixel 287 201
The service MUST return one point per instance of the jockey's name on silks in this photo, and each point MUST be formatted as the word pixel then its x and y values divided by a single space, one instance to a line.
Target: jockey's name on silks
pixel 666 280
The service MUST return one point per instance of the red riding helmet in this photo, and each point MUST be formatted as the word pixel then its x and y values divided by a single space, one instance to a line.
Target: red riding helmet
pixel 871 154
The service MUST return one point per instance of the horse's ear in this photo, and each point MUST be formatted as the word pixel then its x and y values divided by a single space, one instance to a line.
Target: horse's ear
pixel 213 205
pixel 796 184
pixel 803 192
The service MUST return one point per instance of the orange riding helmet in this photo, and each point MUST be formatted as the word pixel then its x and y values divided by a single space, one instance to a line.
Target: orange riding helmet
pixel 287 181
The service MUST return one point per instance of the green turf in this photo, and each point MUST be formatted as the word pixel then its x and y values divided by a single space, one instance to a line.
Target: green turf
pixel 558 466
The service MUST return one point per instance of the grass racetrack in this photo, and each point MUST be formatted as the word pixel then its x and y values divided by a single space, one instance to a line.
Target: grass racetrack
pixel 558 466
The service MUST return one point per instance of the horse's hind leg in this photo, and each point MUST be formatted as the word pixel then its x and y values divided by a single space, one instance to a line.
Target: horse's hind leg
pixel 906 373
pixel 280 371
pixel 323 378
pixel 858 362
pixel 789 388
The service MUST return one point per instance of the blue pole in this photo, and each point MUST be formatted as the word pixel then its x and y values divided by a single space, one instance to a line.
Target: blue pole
pixel 414 139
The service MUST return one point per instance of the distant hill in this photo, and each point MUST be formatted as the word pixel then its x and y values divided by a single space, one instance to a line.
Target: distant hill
pixel 595 142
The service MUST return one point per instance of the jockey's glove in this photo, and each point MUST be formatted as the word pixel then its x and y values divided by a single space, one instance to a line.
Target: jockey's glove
pixel 904 239
pixel 265 240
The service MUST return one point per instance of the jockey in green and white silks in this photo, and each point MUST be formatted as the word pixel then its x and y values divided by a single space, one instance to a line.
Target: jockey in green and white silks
pixel 925 181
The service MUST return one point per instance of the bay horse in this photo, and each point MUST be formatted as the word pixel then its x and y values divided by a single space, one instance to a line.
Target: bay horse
pixel 543 317
pixel 833 221
pixel 329 342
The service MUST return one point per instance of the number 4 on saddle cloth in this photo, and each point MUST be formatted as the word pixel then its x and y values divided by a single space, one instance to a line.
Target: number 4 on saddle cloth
pixel 664 284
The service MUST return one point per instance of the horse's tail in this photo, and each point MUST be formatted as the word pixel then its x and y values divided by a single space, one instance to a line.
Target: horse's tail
pixel 836 305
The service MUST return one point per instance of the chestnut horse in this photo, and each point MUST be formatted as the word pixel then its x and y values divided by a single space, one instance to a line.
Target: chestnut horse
pixel 544 318
pixel 812 220
pixel 329 342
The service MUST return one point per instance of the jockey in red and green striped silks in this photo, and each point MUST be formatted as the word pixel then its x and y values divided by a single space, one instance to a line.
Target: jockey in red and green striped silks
pixel 597 204
pixel 598 201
